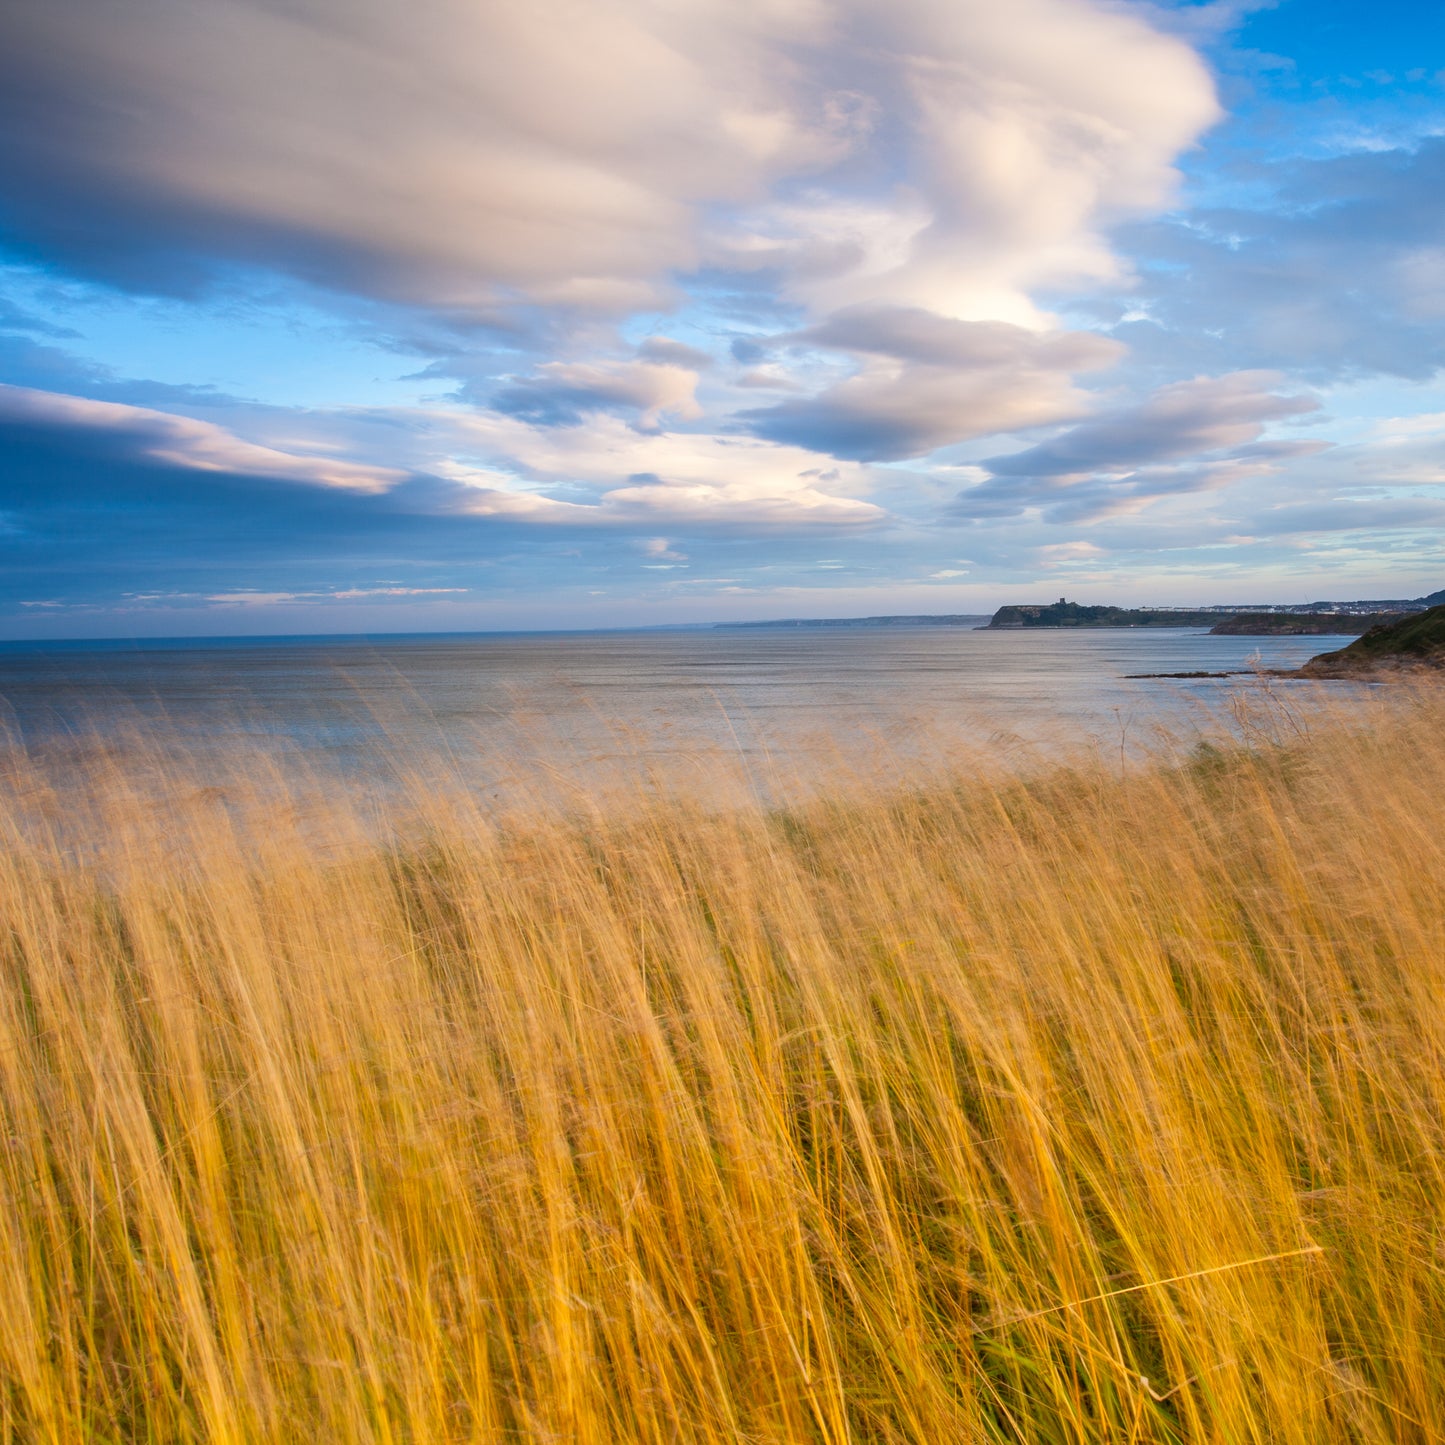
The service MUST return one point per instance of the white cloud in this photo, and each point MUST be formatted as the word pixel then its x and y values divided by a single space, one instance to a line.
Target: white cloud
pixel 563 391
pixel 676 353
pixel 185 442
pixel 766 378
pixel 928 380
pixel 1192 436
pixel 464 155
pixel 1185 419
pixel 349 594
pixel 1024 124
pixel 599 471
pixel 1060 554
pixel 394 592
pixel 651 479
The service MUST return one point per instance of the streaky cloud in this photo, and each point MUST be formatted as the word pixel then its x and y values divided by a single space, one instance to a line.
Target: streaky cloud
pixel 927 381
pixel 184 442
pixel 463 157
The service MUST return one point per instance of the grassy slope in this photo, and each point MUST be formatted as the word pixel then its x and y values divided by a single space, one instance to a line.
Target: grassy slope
pixel 1299 624
pixel 940 1119
pixel 1413 640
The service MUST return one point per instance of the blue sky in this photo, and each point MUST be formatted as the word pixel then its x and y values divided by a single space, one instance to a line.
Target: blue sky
pixel 320 317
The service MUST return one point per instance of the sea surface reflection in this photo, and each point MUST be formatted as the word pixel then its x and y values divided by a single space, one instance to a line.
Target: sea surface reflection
pixel 504 707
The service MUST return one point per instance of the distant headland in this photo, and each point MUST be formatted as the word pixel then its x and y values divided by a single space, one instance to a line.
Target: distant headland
pixel 1080 614
pixel 1261 620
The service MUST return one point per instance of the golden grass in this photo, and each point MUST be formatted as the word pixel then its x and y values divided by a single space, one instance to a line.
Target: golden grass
pixel 1081 1108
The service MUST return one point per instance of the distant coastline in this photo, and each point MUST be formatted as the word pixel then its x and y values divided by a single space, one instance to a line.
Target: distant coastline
pixel 1301 619
pixel 1261 619
pixel 1305 624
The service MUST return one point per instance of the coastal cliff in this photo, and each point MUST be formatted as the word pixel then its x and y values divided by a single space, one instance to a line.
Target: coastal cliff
pixel 1409 644
pixel 1078 614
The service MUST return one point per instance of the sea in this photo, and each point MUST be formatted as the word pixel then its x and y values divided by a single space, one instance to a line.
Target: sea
pixel 508 710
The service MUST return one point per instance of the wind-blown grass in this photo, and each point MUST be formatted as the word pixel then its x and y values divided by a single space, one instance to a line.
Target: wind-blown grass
pixel 1084 1107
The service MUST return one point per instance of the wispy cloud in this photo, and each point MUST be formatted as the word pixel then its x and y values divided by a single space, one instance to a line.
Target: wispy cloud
pixel 349 594
pixel 927 381
pixel 461 156
pixel 1191 436
pixel 182 441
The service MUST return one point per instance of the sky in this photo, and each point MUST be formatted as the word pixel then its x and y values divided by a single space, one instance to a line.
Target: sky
pixel 325 316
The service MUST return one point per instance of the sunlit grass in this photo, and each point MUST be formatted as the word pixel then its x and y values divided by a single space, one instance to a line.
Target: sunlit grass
pixel 1105 1105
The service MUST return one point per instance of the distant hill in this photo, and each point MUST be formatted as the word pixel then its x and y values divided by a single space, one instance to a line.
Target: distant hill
pixel 1077 614
pixel 1409 644
pixel 1304 624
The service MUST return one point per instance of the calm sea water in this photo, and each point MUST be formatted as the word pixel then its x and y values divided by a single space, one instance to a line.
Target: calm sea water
pixel 589 697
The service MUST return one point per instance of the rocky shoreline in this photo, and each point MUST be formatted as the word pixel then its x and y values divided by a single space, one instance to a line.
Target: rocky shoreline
pixel 1409 646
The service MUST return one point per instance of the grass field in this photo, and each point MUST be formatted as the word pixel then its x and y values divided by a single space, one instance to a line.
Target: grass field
pixel 1101 1105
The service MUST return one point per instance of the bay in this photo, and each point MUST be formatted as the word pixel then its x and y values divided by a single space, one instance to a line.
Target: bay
pixel 507 703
